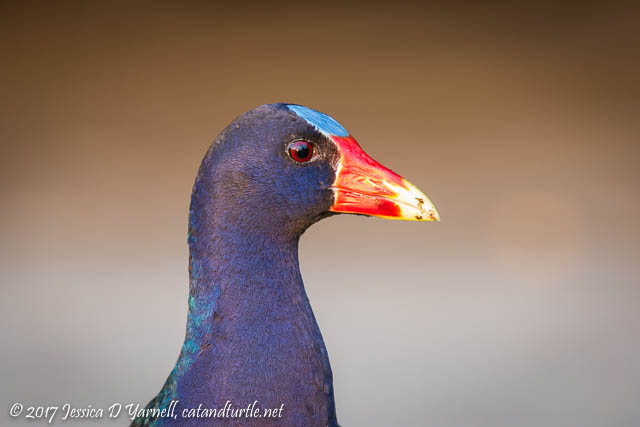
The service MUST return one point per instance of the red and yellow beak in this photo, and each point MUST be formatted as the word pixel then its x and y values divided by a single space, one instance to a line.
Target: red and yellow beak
pixel 364 186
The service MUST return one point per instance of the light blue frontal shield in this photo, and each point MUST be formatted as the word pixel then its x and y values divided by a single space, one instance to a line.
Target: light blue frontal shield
pixel 320 121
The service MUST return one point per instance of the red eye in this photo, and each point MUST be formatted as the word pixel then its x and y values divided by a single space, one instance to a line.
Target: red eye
pixel 301 151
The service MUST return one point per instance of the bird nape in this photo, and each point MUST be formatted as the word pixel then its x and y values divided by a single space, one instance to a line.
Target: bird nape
pixel 251 334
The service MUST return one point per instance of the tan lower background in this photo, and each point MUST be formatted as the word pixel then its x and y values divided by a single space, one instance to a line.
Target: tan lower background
pixel 521 308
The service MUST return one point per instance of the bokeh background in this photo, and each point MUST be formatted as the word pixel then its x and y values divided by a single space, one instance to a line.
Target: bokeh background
pixel 520 121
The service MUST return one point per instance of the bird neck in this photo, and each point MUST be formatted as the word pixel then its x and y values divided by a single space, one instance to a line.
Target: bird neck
pixel 239 279
pixel 251 333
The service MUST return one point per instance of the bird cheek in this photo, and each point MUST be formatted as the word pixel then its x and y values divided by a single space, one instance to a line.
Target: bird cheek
pixel 326 177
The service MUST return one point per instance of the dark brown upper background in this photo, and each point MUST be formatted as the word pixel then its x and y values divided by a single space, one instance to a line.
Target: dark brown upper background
pixel 521 122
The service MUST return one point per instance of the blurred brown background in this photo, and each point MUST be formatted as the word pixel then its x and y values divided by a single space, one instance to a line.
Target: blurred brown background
pixel 521 122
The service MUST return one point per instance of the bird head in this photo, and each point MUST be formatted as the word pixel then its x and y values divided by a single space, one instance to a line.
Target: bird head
pixel 287 166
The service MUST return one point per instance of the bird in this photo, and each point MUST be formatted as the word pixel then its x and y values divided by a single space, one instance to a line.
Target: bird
pixel 251 335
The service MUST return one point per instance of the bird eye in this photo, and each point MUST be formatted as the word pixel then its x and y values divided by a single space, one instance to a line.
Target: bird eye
pixel 301 151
